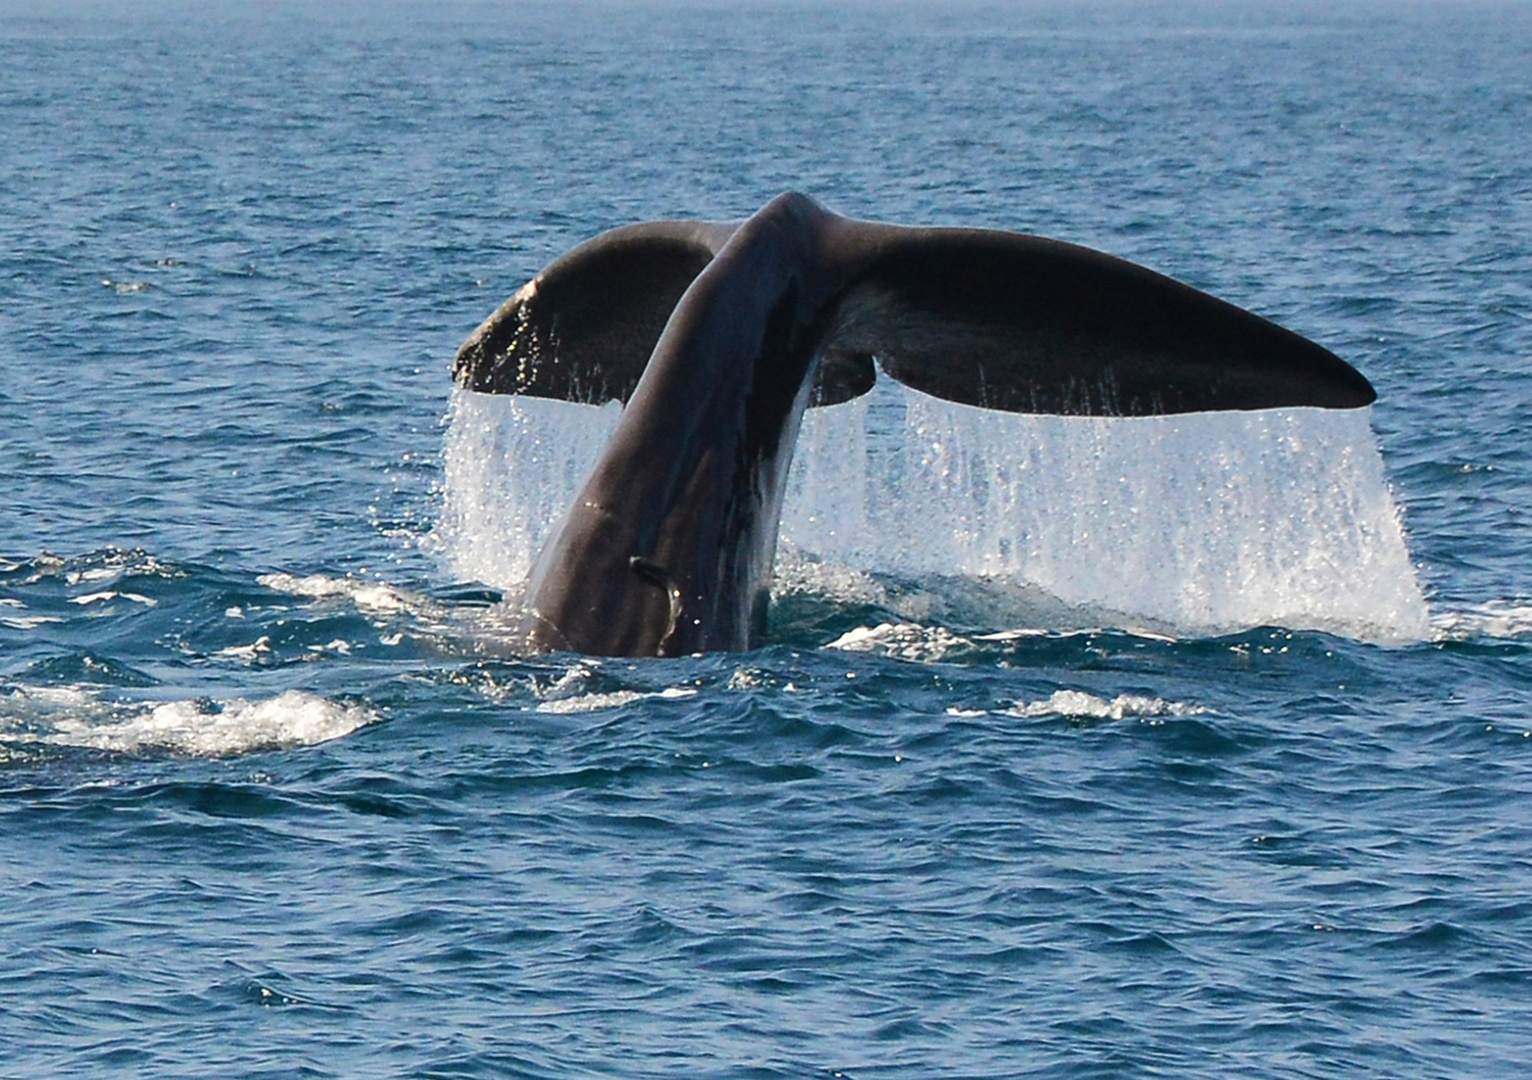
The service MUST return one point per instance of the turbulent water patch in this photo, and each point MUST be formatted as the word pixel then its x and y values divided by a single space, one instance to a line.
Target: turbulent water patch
pixel 84 718
pixel 370 597
pixel 906 641
pixel 610 700
pixel 1080 704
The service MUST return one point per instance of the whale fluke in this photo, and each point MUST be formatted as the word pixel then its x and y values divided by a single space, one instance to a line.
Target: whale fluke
pixel 1030 325
pixel 716 337
pixel 583 329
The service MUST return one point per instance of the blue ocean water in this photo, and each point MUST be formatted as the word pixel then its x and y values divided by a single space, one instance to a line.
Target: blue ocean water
pixel 1219 780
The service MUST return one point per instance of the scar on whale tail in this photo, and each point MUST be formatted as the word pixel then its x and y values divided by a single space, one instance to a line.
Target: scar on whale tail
pixel 716 337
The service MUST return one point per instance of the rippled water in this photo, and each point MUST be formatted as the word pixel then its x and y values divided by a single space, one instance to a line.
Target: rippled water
pixel 1082 748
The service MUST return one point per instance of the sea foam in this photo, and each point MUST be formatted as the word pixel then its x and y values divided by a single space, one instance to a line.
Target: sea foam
pixel 82 717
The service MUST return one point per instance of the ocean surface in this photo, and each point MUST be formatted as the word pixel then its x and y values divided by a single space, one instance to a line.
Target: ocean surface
pixel 1186 747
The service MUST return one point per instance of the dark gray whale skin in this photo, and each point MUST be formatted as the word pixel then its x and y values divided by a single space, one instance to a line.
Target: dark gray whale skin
pixel 717 337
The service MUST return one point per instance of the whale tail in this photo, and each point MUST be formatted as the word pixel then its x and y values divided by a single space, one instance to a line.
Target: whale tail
pixel 995 319
pixel 583 329
pixel 717 338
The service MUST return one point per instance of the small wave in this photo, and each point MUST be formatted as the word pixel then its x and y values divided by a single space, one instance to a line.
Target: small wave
pixel 1079 703
pixel 108 564
pixel 76 717
pixel 905 641
pixel 261 646
pixel 584 687
pixel 1492 620
pixel 610 700
pixel 913 641
pixel 370 596
pixel 27 622
pixel 110 594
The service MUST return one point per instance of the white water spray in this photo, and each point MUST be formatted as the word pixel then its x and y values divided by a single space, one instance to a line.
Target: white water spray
pixel 513 465
pixel 1195 525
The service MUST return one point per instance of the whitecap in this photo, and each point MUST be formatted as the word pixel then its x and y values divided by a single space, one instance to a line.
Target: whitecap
pixel 247 653
pixel 95 573
pixel 103 597
pixel 71 716
pixel 611 700
pixel 28 622
pixel 905 641
pixel 369 596
pixel 63 696
pixel 1079 703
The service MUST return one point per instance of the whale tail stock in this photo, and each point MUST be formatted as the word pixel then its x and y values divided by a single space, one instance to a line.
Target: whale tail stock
pixel 717 337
